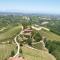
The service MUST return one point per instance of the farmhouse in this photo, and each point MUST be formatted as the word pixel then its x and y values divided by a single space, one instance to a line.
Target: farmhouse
pixel 27 32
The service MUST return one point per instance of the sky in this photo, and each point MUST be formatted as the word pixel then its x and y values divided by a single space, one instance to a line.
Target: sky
pixel 30 6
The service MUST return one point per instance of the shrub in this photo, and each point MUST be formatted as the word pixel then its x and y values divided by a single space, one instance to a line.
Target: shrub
pixel 37 37
pixel 12 53
pixel 29 41
pixel 54 48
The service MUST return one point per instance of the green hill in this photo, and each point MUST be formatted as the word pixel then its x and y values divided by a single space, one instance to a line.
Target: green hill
pixel 50 35
pixel 32 54
pixel 28 53
pixel 5 50
pixel 10 33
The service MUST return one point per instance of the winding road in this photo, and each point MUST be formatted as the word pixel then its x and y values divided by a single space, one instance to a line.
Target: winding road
pixel 17 54
pixel 40 28
pixel 15 39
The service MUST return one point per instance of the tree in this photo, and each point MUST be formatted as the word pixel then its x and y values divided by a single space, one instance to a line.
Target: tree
pixel 29 41
pixel 37 37
pixel 12 53
pixel 20 51
pixel 54 48
pixel 24 24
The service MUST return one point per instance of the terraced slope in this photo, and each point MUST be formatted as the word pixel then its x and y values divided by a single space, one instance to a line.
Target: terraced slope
pixel 50 35
pixel 10 33
pixel 32 54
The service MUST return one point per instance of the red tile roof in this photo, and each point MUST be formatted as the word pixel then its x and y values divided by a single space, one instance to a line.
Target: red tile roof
pixel 16 58
pixel 27 30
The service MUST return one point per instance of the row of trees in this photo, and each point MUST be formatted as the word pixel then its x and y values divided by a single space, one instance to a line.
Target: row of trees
pixel 54 48
pixel 54 26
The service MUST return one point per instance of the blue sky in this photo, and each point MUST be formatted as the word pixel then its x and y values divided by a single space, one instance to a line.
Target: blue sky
pixel 30 6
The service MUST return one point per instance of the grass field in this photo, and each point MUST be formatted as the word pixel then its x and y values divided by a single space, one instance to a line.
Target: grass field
pixel 5 50
pixel 6 35
pixel 50 35
pixel 28 53
pixel 31 54
pixel 10 33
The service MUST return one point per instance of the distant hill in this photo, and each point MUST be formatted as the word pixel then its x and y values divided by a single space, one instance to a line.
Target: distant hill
pixel 28 14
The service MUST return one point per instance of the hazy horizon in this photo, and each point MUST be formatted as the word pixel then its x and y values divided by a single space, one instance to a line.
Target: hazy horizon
pixel 31 6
